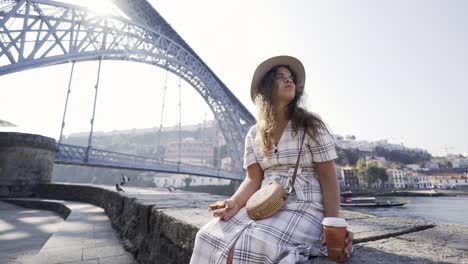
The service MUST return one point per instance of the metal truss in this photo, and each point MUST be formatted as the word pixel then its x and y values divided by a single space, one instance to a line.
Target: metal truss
pixel 77 155
pixel 41 33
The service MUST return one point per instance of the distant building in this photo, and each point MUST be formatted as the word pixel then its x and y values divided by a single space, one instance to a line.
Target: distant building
pixel 449 181
pixel 421 182
pixel 198 152
pixel 396 179
pixel 340 177
pixel 376 160
pixel 350 180
pixel 178 181
pixel 431 166
pixel 338 138
pixel 414 167
pixel 441 161
pixel 460 163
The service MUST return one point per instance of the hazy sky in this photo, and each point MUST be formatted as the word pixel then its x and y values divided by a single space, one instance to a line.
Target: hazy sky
pixel 395 70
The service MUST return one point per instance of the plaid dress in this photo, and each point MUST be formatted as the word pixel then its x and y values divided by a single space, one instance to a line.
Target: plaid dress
pixel 293 233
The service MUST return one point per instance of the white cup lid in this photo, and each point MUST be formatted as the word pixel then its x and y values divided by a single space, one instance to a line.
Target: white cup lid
pixel 334 221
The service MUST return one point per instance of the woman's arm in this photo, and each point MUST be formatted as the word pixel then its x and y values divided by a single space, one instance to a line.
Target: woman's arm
pixel 330 188
pixel 249 186
pixel 331 198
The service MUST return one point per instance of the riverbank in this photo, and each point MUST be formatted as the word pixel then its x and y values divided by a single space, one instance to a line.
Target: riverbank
pixel 440 210
pixel 423 193
pixel 159 226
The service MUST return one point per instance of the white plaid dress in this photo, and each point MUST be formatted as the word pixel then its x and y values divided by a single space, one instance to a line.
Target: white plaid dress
pixel 293 233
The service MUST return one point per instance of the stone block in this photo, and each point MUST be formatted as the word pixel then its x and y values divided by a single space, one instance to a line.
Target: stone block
pixel 398 250
pixel 25 160
pixel 373 228
pixel 101 252
pixel 123 259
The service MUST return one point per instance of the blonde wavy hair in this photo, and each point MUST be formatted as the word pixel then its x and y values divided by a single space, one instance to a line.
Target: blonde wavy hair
pixel 300 117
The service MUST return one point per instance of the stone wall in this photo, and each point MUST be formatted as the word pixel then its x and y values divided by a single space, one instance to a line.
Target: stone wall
pixel 159 226
pixel 25 160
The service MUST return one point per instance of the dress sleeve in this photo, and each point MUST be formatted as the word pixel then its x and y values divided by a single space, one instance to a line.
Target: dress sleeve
pixel 249 155
pixel 324 149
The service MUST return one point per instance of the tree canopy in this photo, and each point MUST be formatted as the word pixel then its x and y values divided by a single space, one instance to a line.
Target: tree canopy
pixel 369 173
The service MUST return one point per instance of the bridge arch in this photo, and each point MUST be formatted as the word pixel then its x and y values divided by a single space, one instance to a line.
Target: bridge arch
pixel 38 33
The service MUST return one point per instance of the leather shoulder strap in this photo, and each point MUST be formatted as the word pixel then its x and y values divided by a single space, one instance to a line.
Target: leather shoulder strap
pixel 293 180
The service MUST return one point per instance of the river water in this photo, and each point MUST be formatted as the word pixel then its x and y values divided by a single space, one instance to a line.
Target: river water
pixel 441 210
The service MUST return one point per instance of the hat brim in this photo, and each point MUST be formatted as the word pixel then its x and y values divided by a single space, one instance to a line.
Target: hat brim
pixel 296 66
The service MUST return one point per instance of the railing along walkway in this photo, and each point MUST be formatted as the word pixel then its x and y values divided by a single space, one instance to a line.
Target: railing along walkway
pixel 78 155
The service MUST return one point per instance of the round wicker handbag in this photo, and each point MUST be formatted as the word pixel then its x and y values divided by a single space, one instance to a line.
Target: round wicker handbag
pixel 269 199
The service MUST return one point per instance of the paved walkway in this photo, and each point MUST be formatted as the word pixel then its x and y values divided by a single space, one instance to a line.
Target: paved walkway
pixel 86 236
pixel 24 231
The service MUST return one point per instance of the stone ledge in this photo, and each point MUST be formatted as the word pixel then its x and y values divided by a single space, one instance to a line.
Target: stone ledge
pixel 54 206
pixel 159 226
pixel 442 244
pixel 15 139
pixel 375 228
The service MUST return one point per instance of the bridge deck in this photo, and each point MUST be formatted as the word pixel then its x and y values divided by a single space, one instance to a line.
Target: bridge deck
pixel 77 155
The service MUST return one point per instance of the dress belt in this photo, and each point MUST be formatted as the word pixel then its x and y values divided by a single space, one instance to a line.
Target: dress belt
pixel 288 172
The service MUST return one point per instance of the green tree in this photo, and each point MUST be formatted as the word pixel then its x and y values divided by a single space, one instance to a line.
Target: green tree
pixel 376 173
pixel 360 170
pixel 369 174
pixel 406 156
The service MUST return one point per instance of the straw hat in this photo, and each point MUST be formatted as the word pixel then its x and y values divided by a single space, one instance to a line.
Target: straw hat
pixel 264 67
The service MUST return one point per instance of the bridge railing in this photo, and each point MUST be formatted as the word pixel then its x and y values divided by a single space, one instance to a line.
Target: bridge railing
pixel 78 155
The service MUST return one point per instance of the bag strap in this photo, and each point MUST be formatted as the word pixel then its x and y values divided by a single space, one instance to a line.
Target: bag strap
pixel 291 184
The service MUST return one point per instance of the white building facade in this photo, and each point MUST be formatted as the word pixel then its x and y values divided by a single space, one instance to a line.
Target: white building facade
pixel 397 179
pixel 421 182
pixel 445 183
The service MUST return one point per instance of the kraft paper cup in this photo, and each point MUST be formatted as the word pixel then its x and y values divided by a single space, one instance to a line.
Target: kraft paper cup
pixel 335 229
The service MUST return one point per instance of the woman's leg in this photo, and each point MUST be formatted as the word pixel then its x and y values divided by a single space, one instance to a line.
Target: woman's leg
pixel 231 253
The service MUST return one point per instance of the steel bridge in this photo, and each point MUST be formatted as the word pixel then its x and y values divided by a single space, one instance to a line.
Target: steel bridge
pixel 76 155
pixel 39 33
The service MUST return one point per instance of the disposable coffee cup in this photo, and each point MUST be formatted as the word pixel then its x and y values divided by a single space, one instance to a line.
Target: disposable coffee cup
pixel 335 229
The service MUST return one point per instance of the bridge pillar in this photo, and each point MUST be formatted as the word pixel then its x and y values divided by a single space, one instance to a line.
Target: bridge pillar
pixel 25 161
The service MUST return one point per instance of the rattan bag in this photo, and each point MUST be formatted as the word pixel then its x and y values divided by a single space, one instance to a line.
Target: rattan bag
pixel 270 198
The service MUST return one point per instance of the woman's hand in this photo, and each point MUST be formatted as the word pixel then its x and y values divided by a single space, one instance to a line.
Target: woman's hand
pixel 231 210
pixel 348 248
